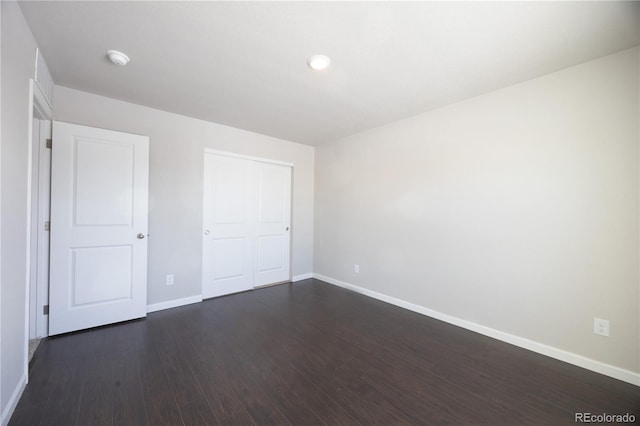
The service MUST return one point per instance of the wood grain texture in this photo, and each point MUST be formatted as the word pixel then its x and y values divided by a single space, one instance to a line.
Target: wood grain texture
pixel 306 353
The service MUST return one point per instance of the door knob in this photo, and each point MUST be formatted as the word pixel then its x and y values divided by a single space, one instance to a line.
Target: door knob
pixel 140 236
pixel 206 232
pixel 287 228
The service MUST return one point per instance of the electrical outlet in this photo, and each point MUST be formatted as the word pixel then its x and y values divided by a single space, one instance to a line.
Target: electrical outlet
pixel 601 327
pixel 170 279
pixel 356 268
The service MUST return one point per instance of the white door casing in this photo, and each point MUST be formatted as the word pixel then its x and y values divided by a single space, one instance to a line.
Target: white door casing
pixel 246 224
pixel 33 264
pixel 44 206
pixel 40 202
pixel 99 202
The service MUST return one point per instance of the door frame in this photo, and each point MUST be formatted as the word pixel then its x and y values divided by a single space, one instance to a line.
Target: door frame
pixel 248 157
pixel 39 108
pixel 261 160
pixel 40 203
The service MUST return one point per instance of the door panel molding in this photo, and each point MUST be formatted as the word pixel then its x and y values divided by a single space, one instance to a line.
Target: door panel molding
pixel 99 205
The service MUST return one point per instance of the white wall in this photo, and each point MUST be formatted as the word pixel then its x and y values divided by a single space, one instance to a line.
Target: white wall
pixel 175 183
pixel 516 210
pixel 18 66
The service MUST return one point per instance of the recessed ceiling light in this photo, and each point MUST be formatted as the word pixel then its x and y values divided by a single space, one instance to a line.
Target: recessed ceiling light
pixel 118 58
pixel 318 62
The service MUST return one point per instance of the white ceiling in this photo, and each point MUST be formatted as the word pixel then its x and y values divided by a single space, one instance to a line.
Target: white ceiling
pixel 243 64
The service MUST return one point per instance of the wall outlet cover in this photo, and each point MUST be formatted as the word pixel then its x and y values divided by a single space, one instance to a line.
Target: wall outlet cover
pixel 601 326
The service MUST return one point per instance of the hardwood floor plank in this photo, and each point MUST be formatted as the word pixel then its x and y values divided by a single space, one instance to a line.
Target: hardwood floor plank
pixel 215 380
pixel 27 414
pixel 160 402
pixel 97 402
pixel 323 406
pixel 128 398
pixel 260 405
pixel 360 400
pixel 308 353
pixel 269 369
pixel 63 406
pixel 192 403
pixel 260 369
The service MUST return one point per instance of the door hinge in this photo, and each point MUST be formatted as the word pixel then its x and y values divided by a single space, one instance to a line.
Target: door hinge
pixel 49 143
pixel 47 226
pixel 45 310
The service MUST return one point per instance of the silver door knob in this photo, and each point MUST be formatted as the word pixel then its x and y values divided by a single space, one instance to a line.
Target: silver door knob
pixel 287 228
pixel 140 236
pixel 206 232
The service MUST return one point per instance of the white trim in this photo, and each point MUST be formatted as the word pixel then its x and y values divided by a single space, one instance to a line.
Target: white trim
pixel 174 303
pixel 13 401
pixel 43 78
pixel 27 299
pixel 43 215
pixel 41 103
pixel 301 277
pixel 247 157
pixel 550 351
pixel 39 255
pixel 34 228
pixel 38 103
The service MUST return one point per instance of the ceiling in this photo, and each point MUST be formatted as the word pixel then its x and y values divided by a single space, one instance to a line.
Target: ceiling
pixel 243 64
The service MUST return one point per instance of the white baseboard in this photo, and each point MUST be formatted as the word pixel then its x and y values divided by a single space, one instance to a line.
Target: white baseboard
pixel 174 303
pixel 301 277
pixel 13 401
pixel 550 351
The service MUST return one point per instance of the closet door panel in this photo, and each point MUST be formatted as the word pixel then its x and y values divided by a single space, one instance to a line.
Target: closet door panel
pixel 273 223
pixel 228 216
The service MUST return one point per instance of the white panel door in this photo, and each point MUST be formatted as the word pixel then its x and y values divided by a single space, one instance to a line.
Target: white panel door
pixel 99 192
pixel 273 222
pixel 228 225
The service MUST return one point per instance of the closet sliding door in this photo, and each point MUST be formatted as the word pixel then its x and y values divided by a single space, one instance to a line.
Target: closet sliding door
pixel 246 218
pixel 228 225
pixel 271 228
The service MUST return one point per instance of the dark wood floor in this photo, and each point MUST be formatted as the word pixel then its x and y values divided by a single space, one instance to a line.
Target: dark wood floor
pixel 303 354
